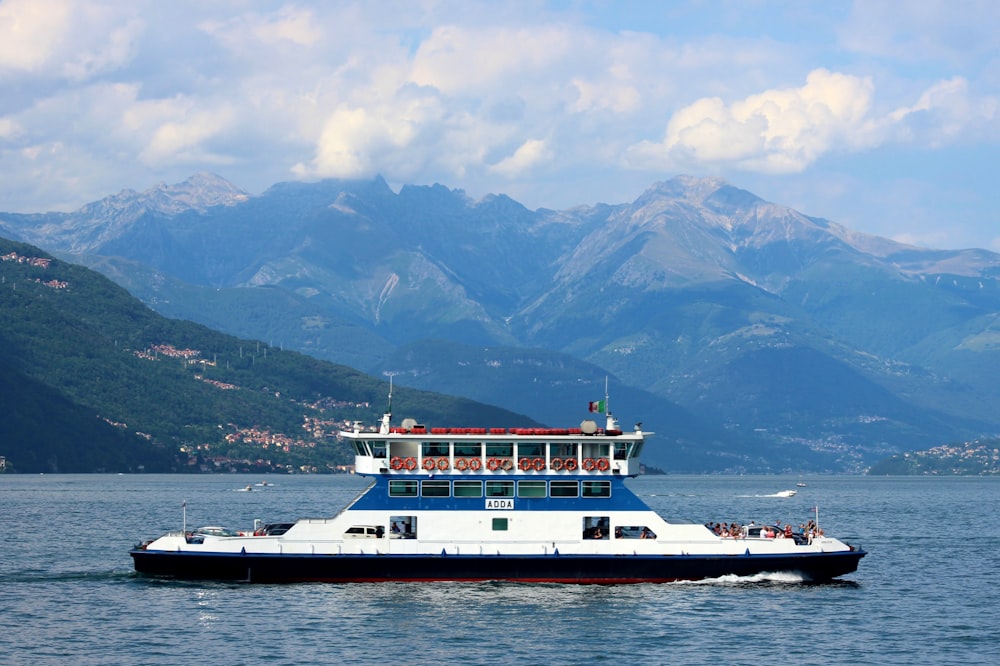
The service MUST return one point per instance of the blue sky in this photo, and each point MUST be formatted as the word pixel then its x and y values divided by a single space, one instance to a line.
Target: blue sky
pixel 881 116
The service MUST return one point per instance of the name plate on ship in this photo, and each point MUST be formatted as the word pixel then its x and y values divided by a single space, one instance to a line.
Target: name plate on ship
pixel 499 504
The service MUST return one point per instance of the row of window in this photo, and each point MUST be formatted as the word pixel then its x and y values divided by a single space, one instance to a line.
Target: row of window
pixel 620 450
pixel 528 489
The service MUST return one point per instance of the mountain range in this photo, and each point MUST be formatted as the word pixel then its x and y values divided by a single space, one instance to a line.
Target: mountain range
pixel 91 379
pixel 749 336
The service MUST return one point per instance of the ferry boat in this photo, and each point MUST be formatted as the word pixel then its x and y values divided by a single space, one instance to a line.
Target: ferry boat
pixel 483 504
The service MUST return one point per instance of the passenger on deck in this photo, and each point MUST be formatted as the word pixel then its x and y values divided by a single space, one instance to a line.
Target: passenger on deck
pixel 598 534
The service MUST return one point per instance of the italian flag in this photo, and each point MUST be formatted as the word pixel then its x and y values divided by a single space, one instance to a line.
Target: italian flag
pixel 599 407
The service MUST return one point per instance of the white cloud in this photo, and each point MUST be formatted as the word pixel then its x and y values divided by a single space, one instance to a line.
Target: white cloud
pixel 777 131
pixel 251 30
pixel 529 154
pixel 32 32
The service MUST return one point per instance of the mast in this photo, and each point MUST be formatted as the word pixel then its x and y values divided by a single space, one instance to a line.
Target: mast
pixel 610 423
pixel 387 416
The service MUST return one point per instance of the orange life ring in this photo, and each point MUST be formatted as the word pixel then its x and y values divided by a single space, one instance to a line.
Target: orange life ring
pixel 429 464
pixel 507 464
pixel 589 464
pixel 603 465
pixel 475 464
pixel 396 462
pixel 493 464
pixel 570 464
pixel 538 464
pixel 410 464
pixel 524 464
pixel 442 463
pixel 556 464
pixel 461 464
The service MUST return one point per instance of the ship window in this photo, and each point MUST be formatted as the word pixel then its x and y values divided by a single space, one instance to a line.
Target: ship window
pixel 596 489
pixel 378 449
pixel 596 527
pixel 532 450
pixel 564 489
pixel 435 489
pixel 499 450
pixel 595 450
pixel 360 449
pixel 402 489
pixel 499 524
pixel 634 532
pixel 563 449
pixel 402 527
pixel 434 448
pixel 621 450
pixel 531 489
pixel 468 489
pixel 499 488
pixel 468 450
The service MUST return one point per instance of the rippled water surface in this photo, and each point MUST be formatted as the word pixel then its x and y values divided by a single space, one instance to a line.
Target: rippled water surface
pixel 925 594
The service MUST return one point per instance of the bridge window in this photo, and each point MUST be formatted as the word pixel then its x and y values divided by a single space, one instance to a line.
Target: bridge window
pixel 563 449
pixel 434 448
pixel 468 450
pixel 499 450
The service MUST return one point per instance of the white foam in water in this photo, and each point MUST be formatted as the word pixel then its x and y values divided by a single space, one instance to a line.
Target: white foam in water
pixel 732 579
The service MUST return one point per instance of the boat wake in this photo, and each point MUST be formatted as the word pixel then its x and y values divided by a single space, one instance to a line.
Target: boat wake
pixel 766 578
pixel 780 493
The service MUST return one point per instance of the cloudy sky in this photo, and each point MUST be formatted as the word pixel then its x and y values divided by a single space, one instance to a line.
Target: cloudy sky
pixel 879 115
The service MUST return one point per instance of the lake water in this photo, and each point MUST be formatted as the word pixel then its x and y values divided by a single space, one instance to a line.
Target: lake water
pixel 927 593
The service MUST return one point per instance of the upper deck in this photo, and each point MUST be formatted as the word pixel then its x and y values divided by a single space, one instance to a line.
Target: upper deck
pixel 413 449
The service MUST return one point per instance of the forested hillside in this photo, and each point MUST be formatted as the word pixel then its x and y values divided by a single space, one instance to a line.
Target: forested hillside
pixel 93 380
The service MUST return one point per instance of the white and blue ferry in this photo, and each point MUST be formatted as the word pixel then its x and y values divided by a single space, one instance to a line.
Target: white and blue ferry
pixel 477 504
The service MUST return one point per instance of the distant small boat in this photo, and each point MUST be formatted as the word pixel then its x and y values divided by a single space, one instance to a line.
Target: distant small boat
pixel 785 493
pixel 800 484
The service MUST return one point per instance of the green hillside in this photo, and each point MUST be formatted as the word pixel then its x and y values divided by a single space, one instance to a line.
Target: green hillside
pixel 93 380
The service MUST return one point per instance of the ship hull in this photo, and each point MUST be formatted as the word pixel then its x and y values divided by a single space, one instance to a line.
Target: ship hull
pixel 582 569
